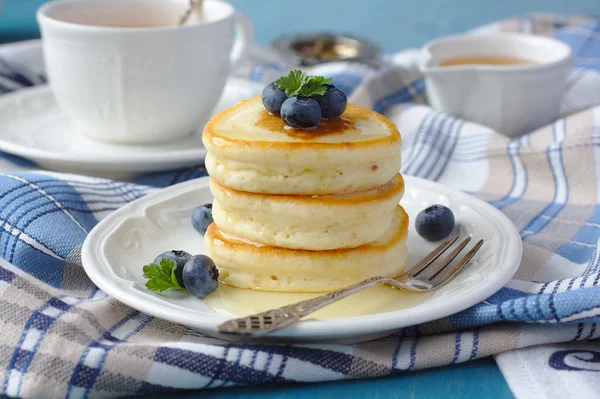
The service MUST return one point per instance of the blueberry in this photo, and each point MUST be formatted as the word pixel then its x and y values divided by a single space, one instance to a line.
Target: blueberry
pixel 273 97
pixel 200 275
pixel 301 112
pixel 333 102
pixel 435 222
pixel 202 218
pixel 180 257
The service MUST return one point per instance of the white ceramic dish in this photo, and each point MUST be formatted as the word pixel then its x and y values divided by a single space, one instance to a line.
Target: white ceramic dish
pixel 116 249
pixel 511 99
pixel 33 126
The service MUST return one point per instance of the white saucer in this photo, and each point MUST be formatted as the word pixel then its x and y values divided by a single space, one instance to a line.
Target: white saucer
pixel 116 249
pixel 33 126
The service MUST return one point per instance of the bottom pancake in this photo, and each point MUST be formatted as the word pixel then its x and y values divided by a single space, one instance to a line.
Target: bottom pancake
pixel 245 264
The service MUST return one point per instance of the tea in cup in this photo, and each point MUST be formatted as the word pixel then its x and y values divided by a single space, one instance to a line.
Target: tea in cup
pixel 125 72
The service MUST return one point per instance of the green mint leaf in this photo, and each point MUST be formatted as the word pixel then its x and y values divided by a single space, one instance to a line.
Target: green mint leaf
pixel 174 279
pixel 161 277
pixel 158 285
pixel 297 83
pixel 314 85
pixel 292 82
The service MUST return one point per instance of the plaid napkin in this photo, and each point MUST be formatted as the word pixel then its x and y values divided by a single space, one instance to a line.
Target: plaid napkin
pixel 62 337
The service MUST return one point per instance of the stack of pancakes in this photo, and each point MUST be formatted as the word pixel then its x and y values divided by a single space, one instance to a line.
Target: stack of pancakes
pixel 304 211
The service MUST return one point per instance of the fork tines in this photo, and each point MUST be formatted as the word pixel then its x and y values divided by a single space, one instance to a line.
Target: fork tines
pixel 438 273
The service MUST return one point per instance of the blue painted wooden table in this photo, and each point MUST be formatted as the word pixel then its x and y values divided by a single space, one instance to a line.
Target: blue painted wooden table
pixel 394 25
pixel 479 379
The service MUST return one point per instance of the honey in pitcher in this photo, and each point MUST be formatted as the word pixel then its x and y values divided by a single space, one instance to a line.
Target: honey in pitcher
pixel 486 60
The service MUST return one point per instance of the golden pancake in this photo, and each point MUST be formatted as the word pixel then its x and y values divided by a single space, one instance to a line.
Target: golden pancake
pixel 254 151
pixel 246 264
pixel 318 222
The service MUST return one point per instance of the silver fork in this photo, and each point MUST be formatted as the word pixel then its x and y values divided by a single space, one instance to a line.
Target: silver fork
pixel 424 276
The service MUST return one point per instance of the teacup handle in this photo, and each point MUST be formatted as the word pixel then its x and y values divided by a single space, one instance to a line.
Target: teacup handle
pixel 243 41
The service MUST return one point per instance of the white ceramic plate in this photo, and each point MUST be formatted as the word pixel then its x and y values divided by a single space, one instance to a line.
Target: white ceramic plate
pixel 116 249
pixel 33 126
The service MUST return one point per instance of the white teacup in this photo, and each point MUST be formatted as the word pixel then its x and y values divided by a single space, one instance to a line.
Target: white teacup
pixel 126 73
pixel 511 99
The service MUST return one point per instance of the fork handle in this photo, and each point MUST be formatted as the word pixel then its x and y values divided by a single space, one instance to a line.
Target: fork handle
pixel 275 319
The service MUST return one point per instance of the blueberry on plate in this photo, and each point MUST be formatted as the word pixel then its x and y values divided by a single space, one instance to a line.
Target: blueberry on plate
pixel 301 112
pixel 273 97
pixel 200 276
pixel 435 222
pixel 180 257
pixel 202 218
pixel 333 102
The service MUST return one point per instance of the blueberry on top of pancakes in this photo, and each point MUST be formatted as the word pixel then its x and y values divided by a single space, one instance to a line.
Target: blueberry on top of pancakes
pixel 304 100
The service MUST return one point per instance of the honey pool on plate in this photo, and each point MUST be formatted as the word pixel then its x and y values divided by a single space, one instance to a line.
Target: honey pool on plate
pixel 486 60
pixel 379 299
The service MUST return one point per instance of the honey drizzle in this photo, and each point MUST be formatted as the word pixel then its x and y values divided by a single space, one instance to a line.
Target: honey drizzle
pixel 274 123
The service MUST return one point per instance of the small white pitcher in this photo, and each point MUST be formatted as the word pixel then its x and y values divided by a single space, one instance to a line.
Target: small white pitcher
pixel 511 99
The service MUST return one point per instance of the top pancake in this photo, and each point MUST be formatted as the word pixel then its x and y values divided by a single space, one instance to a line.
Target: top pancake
pixel 249 123
pixel 252 150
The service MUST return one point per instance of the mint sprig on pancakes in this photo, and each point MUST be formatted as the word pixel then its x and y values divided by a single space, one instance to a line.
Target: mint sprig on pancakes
pixel 297 83
pixel 302 100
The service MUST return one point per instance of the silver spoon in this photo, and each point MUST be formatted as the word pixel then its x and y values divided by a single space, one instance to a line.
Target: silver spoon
pixel 195 6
